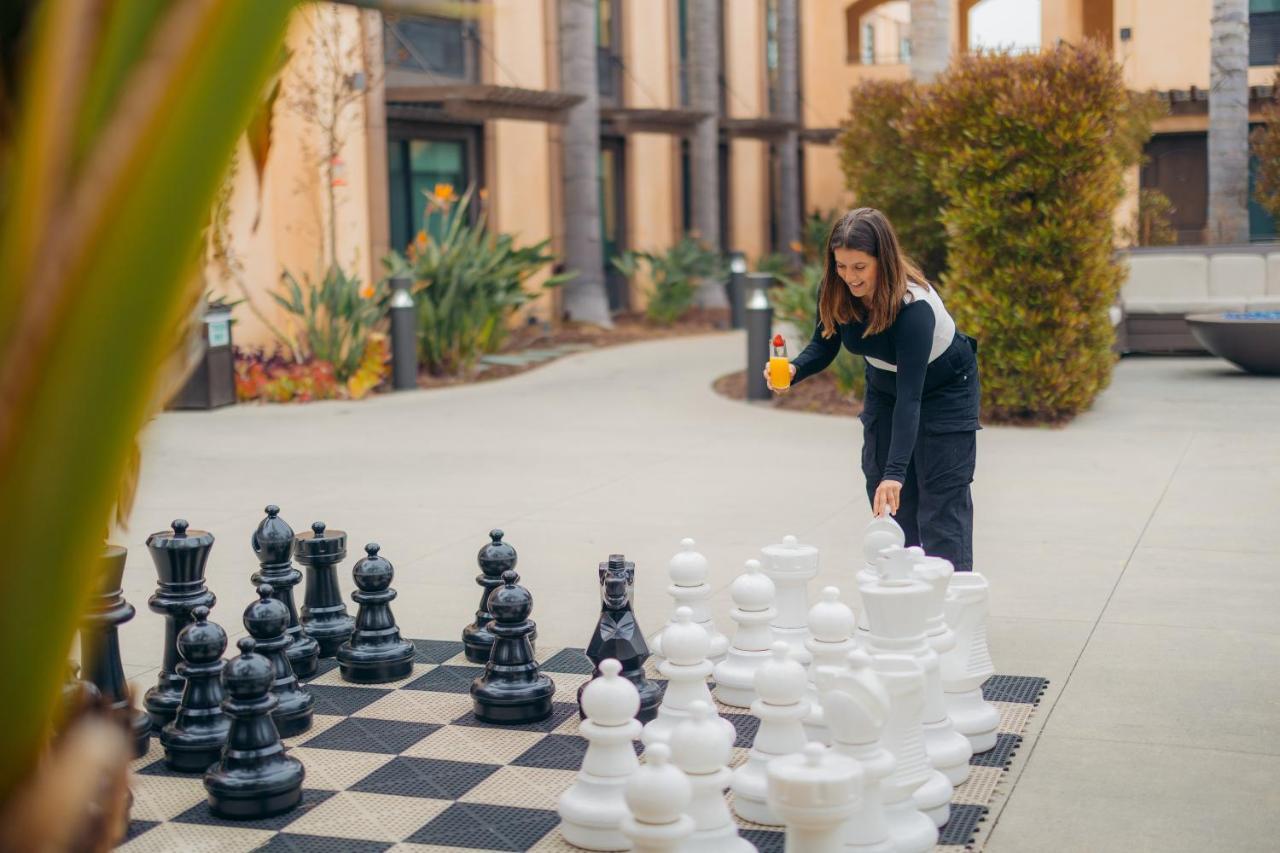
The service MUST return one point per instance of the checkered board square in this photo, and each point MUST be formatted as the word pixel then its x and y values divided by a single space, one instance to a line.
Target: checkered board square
pixel 407 766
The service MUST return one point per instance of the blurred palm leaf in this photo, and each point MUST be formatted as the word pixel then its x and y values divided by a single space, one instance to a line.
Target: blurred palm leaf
pixel 126 118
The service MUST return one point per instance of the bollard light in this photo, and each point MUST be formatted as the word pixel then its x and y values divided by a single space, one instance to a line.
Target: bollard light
pixel 404 336
pixel 736 284
pixel 759 322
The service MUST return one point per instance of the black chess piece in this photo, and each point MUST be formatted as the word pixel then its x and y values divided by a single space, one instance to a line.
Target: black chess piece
pixel 324 615
pixel 618 635
pixel 254 778
pixel 194 739
pixel 512 689
pixel 100 645
pixel 273 545
pixel 180 556
pixel 375 654
pixel 266 620
pixel 77 695
pixel 494 558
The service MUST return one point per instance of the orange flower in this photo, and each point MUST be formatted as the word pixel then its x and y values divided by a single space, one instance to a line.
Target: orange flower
pixel 422 238
pixel 444 193
pixel 484 194
pixel 797 246
pixel 366 291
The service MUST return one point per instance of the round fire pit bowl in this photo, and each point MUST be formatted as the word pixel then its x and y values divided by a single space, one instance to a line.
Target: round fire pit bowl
pixel 1248 339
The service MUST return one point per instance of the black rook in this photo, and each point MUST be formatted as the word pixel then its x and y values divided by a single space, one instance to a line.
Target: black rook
pixel 324 615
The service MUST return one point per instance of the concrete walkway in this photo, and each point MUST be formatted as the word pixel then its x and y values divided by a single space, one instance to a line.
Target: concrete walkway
pixel 1134 555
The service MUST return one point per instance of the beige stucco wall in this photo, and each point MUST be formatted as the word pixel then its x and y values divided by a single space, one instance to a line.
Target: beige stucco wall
pixel 748 158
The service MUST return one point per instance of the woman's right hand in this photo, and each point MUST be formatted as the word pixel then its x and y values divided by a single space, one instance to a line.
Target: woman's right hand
pixel 769 381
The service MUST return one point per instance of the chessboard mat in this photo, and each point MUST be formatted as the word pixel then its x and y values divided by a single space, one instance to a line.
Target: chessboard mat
pixel 406 766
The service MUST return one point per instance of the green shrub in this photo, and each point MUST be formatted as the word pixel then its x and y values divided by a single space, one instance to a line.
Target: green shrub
pixel 337 317
pixel 1154 225
pixel 813 234
pixel 796 302
pixel 674 276
pixel 467 284
pixel 1264 144
pixel 882 171
pixel 1029 154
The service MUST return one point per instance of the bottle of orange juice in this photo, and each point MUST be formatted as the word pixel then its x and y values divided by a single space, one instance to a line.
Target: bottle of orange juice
pixel 779 364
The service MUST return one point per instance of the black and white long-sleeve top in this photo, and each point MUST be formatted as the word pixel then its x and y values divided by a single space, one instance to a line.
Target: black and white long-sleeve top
pixel 921 333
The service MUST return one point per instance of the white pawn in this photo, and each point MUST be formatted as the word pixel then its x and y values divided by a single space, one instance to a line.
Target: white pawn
pixel 898 605
pixel 857 704
pixel 881 533
pixel 968 665
pixel 686 669
pixel 689 588
pixel 831 623
pixel 704 757
pixel 949 751
pixel 791 566
pixel 780 684
pixel 911 829
pixel 752 593
pixel 815 792
pixel 591 811
pixel 657 795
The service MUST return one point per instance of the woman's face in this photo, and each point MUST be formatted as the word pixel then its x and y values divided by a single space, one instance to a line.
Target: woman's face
pixel 858 270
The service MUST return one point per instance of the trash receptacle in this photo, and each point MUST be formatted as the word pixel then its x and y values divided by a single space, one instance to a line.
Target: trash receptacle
pixel 213 382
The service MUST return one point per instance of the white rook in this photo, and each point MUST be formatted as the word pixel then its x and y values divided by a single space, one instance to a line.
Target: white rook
pixel 911 829
pixel 815 792
pixel 791 566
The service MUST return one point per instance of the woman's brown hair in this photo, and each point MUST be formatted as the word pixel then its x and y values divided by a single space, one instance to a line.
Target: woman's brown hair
pixel 866 230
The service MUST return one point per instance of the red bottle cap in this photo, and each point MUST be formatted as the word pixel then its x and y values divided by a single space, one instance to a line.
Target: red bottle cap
pixel 778 341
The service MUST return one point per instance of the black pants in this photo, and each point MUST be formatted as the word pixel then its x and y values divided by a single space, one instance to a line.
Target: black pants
pixel 936 506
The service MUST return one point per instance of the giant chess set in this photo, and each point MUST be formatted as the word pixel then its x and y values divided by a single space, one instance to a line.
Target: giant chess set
pixel 813 727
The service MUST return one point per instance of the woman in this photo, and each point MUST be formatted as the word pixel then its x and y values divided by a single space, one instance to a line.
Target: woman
pixel 920 415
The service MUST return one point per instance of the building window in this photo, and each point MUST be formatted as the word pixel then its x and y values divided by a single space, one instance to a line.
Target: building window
pixel 436 46
pixel 416 167
pixel 1264 31
pixel 609 50
pixel 686 188
pixel 868 44
pixel 904 49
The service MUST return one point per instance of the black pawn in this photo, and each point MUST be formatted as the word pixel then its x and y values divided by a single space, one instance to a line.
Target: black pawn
pixel 100 645
pixel 180 556
pixel 375 653
pixel 273 545
pixel 254 778
pixel 194 739
pixel 494 558
pixel 324 615
pixel 618 635
pixel 512 689
pixel 266 620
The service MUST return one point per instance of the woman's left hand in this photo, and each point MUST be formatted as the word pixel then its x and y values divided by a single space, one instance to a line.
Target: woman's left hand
pixel 888 495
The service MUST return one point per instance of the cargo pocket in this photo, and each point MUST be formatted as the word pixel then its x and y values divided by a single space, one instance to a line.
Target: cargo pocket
pixel 947 453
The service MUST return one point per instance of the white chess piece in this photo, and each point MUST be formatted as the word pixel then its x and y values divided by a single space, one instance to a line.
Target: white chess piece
pixel 881 533
pixel 949 751
pixel 753 594
pixel 858 704
pixel 689 588
pixel 686 669
pixel 911 828
pixel 968 665
pixel 657 795
pixel 780 685
pixel 791 566
pixel 591 810
pixel 898 605
pixel 696 749
pixel 815 791
pixel 831 623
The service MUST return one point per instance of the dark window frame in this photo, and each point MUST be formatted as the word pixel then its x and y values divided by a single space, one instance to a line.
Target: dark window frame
pixel 403 132
pixel 399 51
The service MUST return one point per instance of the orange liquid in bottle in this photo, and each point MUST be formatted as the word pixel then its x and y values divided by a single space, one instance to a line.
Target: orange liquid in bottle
pixel 779 364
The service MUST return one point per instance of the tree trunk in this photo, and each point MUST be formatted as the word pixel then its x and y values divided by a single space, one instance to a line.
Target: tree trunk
pixel 704 161
pixel 930 38
pixel 584 297
pixel 1229 123
pixel 789 212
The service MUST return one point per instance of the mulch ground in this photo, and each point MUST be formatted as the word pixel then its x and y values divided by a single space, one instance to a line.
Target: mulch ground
pixel 816 394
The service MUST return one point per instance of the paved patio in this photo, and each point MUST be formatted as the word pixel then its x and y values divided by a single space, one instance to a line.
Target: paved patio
pixel 1134 555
